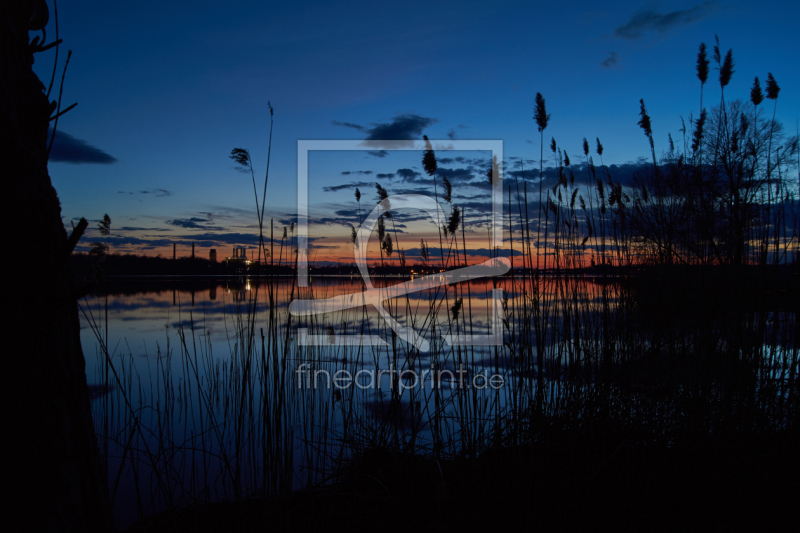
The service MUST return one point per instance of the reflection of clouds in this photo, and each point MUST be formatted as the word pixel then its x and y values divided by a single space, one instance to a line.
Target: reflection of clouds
pixel 188 325
pixel 147 313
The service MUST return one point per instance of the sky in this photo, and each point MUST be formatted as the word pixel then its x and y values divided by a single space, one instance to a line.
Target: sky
pixel 165 90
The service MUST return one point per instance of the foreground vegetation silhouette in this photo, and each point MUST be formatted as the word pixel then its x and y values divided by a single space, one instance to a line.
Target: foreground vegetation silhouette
pixel 650 344
pixel 656 397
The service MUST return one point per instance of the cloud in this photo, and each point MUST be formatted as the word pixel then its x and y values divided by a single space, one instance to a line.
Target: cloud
pixel 118 242
pixel 407 174
pixel 649 20
pixel 401 128
pixel 378 153
pixel 611 61
pixel 133 228
pixel 456 174
pixel 193 222
pixel 334 188
pixel 158 193
pixel 69 149
pixel 208 240
pixel 343 217
pixel 349 125
pixel 405 127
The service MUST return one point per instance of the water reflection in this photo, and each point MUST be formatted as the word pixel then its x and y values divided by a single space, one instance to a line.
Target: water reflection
pixel 213 384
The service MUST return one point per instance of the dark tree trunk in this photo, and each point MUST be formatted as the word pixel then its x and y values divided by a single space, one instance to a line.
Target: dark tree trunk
pixel 56 481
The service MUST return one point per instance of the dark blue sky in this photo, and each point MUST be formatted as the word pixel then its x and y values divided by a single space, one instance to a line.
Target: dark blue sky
pixel 166 89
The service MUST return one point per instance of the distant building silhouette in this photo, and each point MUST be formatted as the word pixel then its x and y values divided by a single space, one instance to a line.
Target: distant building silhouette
pixel 239 254
pixel 212 255
pixel 239 260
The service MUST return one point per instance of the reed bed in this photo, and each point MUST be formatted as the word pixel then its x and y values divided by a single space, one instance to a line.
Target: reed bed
pixel 659 310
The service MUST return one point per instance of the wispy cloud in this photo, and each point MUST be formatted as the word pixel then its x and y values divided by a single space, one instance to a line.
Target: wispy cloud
pixel 358 127
pixel 650 20
pixel 69 149
pixel 612 60
pixel 190 223
pixel 334 188
pixel 158 193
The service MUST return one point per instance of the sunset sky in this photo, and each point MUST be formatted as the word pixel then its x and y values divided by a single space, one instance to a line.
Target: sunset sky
pixel 165 90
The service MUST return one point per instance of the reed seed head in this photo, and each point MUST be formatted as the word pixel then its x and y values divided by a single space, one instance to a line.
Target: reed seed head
pixel 381 229
pixel 429 158
pixel 241 156
pixel 756 96
pixel 726 70
pixel 453 221
pixel 702 64
pixel 540 114
pixel 644 120
pixel 772 87
pixel 105 226
pixel 448 189
pixel 388 247
pixel 493 174
pixel 698 131
pixel 383 199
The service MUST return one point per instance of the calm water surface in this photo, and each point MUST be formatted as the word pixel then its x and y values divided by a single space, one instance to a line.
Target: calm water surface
pixel 203 395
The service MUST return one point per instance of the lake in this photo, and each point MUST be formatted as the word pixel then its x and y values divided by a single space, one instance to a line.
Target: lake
pixel 207 392
pixel 209 388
